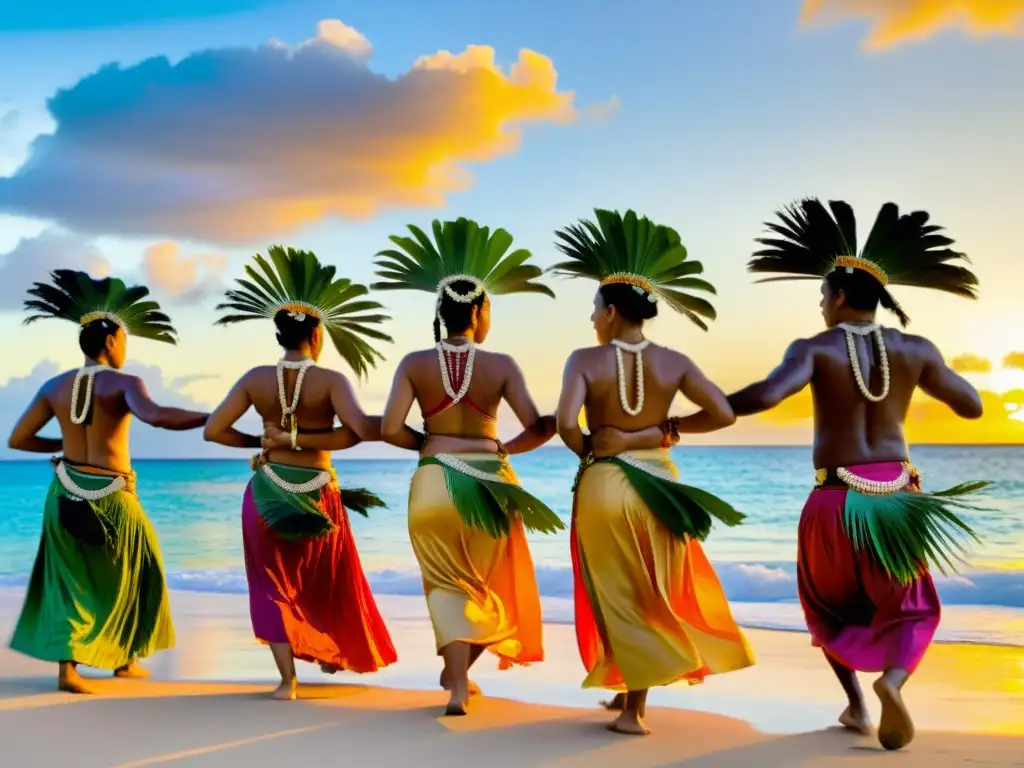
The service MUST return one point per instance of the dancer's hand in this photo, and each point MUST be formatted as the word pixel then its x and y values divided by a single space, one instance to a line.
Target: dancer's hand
pixel 275 438
pixel 608 441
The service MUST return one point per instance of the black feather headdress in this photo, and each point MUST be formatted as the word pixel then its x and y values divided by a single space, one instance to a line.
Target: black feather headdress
pixel 809 241
pixel 81 299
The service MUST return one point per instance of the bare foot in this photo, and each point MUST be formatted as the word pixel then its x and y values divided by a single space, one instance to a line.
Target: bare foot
pixel 132 670
pixel 71 682
pixel 895 729
pixel 855 720
pixel 474 689
pixel 457 704
pixel 616 704
pixel 628 725
pixel 329 669
pixel 286 691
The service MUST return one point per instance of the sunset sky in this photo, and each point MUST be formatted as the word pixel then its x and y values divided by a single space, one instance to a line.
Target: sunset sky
pixel 168 146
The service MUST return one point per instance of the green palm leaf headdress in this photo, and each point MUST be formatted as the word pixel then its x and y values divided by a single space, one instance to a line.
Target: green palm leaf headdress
pixel 632 250
pixel 77 297
pixel 811 240
pixel 461 250
pixel 296 282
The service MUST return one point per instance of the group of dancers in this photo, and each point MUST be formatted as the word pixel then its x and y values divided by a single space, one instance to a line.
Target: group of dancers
pixel 649 608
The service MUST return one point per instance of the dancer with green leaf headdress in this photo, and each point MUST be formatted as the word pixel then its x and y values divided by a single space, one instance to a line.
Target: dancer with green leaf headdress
pixel 97 594
pixel 308 596
pixel 467 513
pixel 868 532
pixel 650 610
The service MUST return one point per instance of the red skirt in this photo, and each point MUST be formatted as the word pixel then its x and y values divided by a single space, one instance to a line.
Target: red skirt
pixel 312 594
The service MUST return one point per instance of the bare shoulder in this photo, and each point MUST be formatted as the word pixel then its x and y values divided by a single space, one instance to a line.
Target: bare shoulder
pixel 585 355
pixel 918 346
pixel 420 357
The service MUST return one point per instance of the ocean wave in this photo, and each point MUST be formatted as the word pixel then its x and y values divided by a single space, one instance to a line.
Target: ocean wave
pixel 743 583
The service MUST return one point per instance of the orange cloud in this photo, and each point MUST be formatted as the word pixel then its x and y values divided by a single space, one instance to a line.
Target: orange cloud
pixel 1014 360
pixel 928 421
pixel 186 278
pixel 893 22
pixel 968 363
pixel 235 146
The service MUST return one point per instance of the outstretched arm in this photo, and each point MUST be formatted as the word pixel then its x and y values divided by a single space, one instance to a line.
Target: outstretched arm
pixel 220 427
pixel 716 412
pixel 139 402
pixel 24 436
pixel 944 384
pixel 393 428
pixel 791 376
pixel 538 429
pixel 570 403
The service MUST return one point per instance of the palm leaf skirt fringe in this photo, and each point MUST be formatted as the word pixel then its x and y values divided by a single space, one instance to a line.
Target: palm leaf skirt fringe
pixel 905 531
pixel 490 505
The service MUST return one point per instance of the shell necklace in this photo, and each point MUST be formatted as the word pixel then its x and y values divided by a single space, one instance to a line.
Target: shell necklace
pixel 87 372
pixel 636 349
pixel 288 409
pixel 450 356
pixel 871 329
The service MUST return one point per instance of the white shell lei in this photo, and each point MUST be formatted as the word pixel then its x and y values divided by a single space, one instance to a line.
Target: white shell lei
pixel 469 349
pixel 302 366
pixel 313 484
pixel 851 348
pixel 116 484
pixel 636 349
pixel 874 487
pixel 88 373
pixel 453 462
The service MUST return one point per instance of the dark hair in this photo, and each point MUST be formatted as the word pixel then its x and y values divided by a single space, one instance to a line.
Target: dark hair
pixel 863 292
pixel 632 302
pixel 293 333
pixel 93 338
pixel 457 316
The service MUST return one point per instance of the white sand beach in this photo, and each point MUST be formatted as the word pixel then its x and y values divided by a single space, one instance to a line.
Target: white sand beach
pixel 206 706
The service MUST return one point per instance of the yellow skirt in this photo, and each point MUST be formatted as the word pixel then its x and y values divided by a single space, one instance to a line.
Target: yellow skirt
pixel 650 610
pixel 480 590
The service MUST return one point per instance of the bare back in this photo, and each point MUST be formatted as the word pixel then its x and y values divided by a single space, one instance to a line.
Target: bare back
pixel 849 428
pixel 469 426
pixel 315 412
pixel 665 372
pixel 103 440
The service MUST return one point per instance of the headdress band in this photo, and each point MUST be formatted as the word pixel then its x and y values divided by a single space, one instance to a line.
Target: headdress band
pixel 865 265
pixel 445 287
pixel 94 316
pixel 298 308
pixel 638 282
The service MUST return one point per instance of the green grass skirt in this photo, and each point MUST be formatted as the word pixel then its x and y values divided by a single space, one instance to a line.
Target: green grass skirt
pixel 97 594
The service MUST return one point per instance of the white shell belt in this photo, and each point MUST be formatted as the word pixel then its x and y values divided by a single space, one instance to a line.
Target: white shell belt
pixel 313 484
pixel 650 469
pixel 874 487
pixel 75 490
pixel 453 462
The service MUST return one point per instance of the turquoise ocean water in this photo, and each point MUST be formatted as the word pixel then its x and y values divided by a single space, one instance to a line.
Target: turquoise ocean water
pixel 195 507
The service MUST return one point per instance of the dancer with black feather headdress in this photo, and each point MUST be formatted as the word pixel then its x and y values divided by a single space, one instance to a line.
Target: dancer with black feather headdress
pixel 650 610
pixel 308 596
pixel 97 594
pixel 868 532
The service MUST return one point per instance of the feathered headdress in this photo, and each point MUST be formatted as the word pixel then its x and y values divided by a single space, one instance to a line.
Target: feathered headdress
pixel 460 250
pixel 298 283
pixel 812 241
pixel 635 251
pixel 81 299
